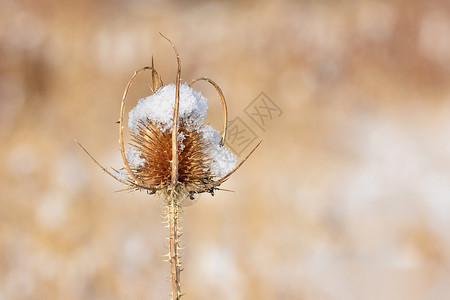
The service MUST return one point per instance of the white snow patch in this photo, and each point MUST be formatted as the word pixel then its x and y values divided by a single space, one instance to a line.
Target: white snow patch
pixel 134 160
pixel 223 159
pixel 159 108
pixel 181 138
pixel 134 157
pixel 122 174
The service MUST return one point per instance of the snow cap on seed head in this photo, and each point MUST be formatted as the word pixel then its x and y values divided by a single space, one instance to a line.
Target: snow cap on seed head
pixel 158 108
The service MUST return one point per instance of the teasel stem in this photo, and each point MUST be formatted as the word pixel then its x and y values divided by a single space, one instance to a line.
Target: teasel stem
pixel 175 198
pixel 174 211
pixel 155 179
pixel 174 162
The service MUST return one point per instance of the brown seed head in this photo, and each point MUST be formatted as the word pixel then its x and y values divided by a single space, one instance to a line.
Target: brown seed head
pixel 191 167
pixel 155 147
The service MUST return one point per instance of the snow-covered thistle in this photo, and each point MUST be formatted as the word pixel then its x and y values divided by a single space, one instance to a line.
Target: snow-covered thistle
pixel 173 154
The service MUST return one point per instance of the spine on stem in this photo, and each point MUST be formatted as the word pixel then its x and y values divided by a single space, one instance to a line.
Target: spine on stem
pixel 173 214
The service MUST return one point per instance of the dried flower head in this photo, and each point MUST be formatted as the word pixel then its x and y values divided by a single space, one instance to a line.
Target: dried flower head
pixel 198 163
pixel 201 156
pixel 173 152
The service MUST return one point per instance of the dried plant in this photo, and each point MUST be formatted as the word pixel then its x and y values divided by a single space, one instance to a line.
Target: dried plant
pixel 173 156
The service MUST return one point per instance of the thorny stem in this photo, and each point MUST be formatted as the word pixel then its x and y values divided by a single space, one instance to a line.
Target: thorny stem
pixel 174 208
pixel 173 213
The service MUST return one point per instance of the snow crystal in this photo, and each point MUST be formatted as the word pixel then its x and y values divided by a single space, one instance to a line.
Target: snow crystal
pixel 122 174
pixel 159 108
pixel 223 160
pixel 181 138
pixel 210 134
pixel 134 157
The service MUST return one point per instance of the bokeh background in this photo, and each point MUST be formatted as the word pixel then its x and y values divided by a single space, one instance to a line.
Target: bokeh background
pixel 348 196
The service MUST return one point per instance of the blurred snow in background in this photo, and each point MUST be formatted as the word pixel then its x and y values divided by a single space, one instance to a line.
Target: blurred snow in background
pixel 348 196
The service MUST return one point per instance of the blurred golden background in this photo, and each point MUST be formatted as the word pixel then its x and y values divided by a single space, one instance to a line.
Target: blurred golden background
pixel 348 196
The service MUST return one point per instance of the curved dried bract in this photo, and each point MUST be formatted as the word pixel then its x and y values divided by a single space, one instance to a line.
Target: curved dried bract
pixel 101 167
pixel 122 110
pixel 156 79
pixel 224 105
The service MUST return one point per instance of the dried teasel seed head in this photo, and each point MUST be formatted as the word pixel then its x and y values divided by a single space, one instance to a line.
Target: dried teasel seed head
pixel 199 162
pixel 154 149
pixel 202 158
